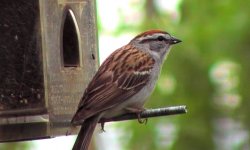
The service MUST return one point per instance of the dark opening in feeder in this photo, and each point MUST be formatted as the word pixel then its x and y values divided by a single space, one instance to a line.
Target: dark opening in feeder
pixel 46 49
pixel 70 46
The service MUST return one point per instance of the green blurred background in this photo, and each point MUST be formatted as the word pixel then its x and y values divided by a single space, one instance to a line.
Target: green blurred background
pixel 209 72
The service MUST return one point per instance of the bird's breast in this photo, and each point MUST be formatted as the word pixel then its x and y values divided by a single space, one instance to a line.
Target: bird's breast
pixel 137 100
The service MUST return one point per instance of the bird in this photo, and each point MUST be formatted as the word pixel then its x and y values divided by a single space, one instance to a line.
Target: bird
pixel 122 83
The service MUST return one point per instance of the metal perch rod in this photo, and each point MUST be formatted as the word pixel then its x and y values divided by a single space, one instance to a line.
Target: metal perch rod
pixel 148 113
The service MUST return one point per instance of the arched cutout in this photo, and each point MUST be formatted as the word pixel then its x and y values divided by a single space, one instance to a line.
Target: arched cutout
pixel 70 45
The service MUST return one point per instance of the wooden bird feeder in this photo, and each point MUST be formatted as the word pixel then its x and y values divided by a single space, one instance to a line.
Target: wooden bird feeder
pixel 48 54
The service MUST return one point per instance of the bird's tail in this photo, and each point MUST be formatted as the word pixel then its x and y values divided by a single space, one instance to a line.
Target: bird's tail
pixel 84 136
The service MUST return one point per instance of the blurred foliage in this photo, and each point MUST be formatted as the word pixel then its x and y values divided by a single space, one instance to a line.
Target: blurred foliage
pixel 199 73
pixel 16 146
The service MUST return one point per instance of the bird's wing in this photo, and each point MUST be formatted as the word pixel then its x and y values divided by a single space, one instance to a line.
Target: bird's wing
pixel 124 73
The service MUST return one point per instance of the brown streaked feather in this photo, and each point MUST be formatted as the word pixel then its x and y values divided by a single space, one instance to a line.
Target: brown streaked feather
pixel 123 74
pixel 85 134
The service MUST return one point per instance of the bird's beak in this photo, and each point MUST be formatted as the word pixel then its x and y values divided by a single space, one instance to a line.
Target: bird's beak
pixel 174 40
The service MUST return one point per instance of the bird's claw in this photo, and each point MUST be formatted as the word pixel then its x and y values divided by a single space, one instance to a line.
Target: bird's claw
pixel 141 120
pixel 102 127
pixel 68 133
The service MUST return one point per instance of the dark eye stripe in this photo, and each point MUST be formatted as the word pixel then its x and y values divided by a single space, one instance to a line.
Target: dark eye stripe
pixel 160 38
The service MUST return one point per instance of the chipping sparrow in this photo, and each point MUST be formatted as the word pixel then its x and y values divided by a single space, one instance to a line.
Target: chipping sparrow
pixel 123 82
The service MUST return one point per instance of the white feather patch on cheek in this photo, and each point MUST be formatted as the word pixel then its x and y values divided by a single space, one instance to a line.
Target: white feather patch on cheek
pixel 142 72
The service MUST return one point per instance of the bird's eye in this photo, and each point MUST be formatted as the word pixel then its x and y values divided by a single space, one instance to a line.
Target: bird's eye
pixel 160 38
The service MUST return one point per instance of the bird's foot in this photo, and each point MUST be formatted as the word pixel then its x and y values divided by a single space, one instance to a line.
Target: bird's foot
pixel 141 120
pixel 138 112
pixel 102 126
